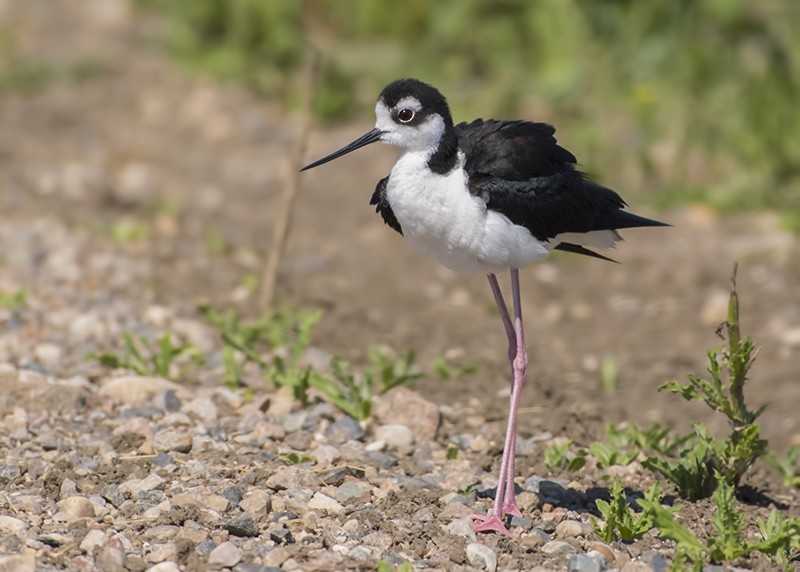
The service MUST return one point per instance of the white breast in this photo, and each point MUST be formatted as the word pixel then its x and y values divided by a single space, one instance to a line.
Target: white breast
pixel 440 217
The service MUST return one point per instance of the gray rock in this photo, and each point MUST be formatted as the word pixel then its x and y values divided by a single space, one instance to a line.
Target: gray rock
pixel 243 525
pixel 167 400
pixel 226 555
pixel 558 547
pixel 657 562
pixel 112 494
pixel 522 522
pixel 584 563
pixel 281 535
pixel 462 527
pixel 352 491
pixel 172 440
pixel 234 494
pixel 345 429
pixel 482 557
pixel 203 408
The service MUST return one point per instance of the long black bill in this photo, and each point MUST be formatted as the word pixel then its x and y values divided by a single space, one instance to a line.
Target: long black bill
pixel 365 139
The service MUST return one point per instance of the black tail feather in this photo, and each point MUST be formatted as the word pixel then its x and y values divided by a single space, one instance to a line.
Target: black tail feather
pixel 618 218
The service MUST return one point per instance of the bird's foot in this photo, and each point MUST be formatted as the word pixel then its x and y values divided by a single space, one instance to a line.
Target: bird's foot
pixel 489 523
pixel 510 508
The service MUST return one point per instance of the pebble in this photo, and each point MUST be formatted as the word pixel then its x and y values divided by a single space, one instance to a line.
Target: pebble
pixel 605 550
pixel 243 525
pixel 462 527
pixel 481 557
pixel 323 502
pixel 275 557
pixel 172 440
pixel 395 435
pixel 138 389
pixel 570 529
pixel 257 502
pixel 585 563
pixel 76 507
pixel 345 429
pixel 558 547
pixel 352 492
pixel 657 562
pixel 12 525
pixel 226 555
pixel 92 540
pixel 409 408
pixel 138 486
pixel 203 408
pixel 18 562
pixel 164 567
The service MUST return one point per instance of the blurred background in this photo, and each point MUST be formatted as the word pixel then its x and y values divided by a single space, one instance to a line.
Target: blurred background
pixel 686 100
pixel 144 148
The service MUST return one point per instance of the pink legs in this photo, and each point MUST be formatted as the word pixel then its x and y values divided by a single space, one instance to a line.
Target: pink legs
pixel 504 501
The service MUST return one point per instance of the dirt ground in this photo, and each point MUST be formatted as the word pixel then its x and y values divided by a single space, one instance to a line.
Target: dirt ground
pixel 139 140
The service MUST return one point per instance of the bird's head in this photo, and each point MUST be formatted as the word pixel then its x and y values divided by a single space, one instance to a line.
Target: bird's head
pixel 410 114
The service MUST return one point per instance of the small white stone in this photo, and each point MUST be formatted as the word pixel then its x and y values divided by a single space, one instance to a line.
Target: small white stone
pixel 323 502
pixel 395 436
pixel 165 567
pixel 463 527
pixel 92 539
pixel 76 507
pixel 12 525
pixel 226 555
pixel 481 557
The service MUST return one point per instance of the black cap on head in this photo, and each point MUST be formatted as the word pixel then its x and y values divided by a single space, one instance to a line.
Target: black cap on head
pixel 430 97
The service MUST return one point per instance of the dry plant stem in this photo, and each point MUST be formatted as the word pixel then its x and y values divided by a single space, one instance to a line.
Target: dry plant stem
pixel 283 223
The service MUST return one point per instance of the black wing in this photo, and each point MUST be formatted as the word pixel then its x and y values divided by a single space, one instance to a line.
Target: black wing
pixel 519 169
pixel 382 205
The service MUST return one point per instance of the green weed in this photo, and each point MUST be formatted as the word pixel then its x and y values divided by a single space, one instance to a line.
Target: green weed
pixel 354 393
pixel 14 301
pixel 294 458
pixel 778 536
pixel 144 357
pixel 446 370
pixel 384 566
pixel 704 457
pixel 621 522
pixel 786 466
pixel 560 455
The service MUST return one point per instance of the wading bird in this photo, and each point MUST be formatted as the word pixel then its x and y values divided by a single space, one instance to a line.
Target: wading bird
pixel 485 197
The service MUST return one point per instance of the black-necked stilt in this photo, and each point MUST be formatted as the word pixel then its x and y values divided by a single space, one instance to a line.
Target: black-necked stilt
pixel 483 197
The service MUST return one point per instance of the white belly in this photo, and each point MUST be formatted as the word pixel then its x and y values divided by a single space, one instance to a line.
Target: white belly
pixel 441 218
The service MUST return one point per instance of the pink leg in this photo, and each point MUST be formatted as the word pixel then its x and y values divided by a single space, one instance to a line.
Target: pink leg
pixel 504 502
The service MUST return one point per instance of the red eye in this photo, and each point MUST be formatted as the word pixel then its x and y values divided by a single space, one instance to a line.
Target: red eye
pixel 405 115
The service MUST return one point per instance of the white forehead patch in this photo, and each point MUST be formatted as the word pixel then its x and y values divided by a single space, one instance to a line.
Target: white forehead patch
pixel 409 102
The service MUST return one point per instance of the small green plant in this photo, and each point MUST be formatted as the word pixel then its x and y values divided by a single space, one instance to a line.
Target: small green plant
pixel 621 521
pixel 608 455
pixel 144 357
pixel 446 370
pixel 453 452
pixel 724 392
pixel 778 536
pixel 353 393
pixel 14 301
pixel 609 374
pixel 560 455
pixel 275 343
pixel 294 458
pixel 130 231
pixel 384 566
pixel 786 466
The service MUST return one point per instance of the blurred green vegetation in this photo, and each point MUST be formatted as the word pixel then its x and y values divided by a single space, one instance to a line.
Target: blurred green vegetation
pixel 680 100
